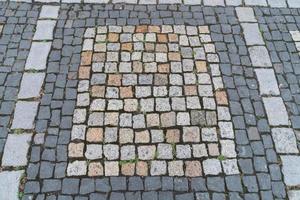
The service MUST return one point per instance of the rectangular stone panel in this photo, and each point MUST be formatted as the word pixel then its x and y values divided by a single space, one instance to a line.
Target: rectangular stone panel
pixel 276 111
pixel 44 30
pixel 16 149
pixel 31 85
pixel 252 34
pixel 24 115
pixel 38 55
pixel 267 82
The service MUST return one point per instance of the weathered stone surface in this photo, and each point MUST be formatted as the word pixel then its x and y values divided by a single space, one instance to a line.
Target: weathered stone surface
pixel 252 34
pixel 44 30
pixel 277 3
pixel 291 170
pixel 276 111
pixel 293 3
pixel 245 14
pixel 256 2
pixel 37 58
pixel 259 56
pixel 267 82
pixel 285 140
pixel 9 184
pixel 16 149
pixel 49 12
pixel 294 194
pixel 31 85
pixel 24 115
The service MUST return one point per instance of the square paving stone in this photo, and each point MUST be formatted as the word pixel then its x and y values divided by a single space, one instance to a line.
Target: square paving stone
pixel 276 111
pixel 44 30
pixel 31 85
pixel 9 184
pixel 259 56
pixel 16 149
pixel 38 54
pixel 291 170
pixel 24 115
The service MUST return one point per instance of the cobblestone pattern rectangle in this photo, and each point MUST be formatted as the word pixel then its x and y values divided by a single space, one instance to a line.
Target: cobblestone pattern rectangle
pixel 150 97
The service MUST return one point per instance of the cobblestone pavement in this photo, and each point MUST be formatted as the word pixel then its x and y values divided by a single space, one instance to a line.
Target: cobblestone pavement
pixel 154 102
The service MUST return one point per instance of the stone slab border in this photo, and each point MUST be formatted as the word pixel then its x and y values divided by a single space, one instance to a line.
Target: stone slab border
pixel 264 3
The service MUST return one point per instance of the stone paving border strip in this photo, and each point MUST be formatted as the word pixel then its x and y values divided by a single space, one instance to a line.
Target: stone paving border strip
pixel 284 138
pixel 265 3
pixel 18 143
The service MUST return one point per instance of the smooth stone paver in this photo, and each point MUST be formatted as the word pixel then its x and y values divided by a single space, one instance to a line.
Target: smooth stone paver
pixel 252 34
pixel 213 2
pixel 294 194
pixel 169 1
pixel 267 82
pixel 49 12
pixel 44 30
pixel 9 184
pixel 245 14
pixel 294 3
pixel 15 150
pixel 31 85
pixel 259 56
pixel 37 58
pixel 24 116
pixel 256 2
pixel 233 2
pixel 277 3
pixel 285 140
pixel 291 170
pixel 276 111
pixel 192 2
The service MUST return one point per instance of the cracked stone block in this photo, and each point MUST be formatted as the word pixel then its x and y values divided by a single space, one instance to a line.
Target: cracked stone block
pixel 31 85
pixel 291 170
pixel 49 12
pixel 285 140
pixel 38 54
pixel 252 34
pixel 44 30
pixel 24 115
pixel 16 149
pixel 259 56
pixel 9 184
pixel 276 111
pixel 267 82
pixel 245 14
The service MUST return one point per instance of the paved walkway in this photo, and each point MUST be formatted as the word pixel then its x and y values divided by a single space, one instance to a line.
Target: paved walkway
pixel 114 101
